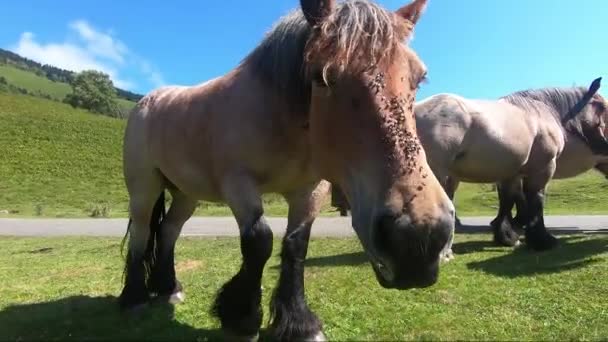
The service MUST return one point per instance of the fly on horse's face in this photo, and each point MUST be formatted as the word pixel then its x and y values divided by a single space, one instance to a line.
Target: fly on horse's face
pixel 364 139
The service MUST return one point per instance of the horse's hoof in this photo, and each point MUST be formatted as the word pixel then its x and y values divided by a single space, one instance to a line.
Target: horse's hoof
pixel 130 301
pixel 541 241
pixel 319 337
pixel 233 337
pixel 510 239
pixel 134 310
pixel 316 337
pixel 176 298
pixel 447 256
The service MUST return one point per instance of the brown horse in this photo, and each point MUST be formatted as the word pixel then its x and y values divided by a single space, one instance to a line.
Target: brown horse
pixel 328 94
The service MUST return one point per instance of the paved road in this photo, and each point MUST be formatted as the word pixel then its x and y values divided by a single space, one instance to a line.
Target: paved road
pixel 226 226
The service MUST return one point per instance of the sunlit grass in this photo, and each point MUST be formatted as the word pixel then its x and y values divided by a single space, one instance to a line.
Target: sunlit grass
pixel 65 288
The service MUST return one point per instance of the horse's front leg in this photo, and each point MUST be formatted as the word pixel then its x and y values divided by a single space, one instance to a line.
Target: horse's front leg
pixel 537 236
pixel 292 319
pixel 237 304
pixel 502 225
pixel 520 208
pixel 450 185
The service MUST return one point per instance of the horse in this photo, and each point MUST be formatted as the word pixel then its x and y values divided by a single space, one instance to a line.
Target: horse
pixel 325 97
pixel 577 158
pixel 517 142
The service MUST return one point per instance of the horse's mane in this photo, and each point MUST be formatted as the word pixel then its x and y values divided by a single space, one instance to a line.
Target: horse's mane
pixel 558 100
pixel 279 58
pixel 358 34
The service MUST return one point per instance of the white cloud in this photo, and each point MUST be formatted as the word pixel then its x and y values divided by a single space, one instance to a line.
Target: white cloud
pixel 100 44
pixel 93 50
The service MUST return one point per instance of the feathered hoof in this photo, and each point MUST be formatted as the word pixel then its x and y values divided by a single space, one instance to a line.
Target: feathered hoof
pixel 174 298
pixel 447 256
pixel 234 337
pixel 540 240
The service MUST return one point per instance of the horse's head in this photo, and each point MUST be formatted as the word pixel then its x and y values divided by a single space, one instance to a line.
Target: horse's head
pixel 589 118
pixel 364 139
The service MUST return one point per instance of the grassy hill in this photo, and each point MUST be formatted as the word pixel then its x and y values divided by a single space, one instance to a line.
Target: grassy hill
pixel 59 161
pixel 41 86
pixel 33 83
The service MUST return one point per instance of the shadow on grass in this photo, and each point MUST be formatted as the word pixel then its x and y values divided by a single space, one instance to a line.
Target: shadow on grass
pixel 347 259
pixel 572 252
pixel 95 318
pixel 475 246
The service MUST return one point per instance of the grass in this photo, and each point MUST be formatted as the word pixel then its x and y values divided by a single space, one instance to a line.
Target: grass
pixel 61 162
pixel 65 288
pixel 33 83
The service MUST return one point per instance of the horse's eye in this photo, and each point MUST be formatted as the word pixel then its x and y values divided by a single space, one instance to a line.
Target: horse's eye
pixel 423 79
pixel 318 80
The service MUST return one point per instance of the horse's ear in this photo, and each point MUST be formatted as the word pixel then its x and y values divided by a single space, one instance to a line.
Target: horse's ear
pixel 412 11
pixel 315 11
pixel 595 86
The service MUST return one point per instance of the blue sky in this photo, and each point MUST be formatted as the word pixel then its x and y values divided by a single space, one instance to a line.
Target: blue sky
pixel 475 48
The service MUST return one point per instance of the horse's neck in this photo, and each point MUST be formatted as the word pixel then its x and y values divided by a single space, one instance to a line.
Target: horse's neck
pixel 575 158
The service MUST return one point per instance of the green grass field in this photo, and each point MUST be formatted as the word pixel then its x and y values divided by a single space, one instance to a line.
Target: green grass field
pixel 65 288
pixel 62 162
pixel 34 83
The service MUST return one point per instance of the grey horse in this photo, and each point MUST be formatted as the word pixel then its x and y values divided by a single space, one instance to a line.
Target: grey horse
pixel 518 142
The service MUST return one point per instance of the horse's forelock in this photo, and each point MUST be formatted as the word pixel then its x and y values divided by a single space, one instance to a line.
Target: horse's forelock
pixel 358 35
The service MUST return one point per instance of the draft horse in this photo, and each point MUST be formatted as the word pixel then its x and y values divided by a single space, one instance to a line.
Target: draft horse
pixel 326 97
pixel 517 141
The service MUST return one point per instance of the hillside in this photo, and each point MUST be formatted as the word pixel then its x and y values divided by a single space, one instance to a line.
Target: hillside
pixel 21 75
pixel 59 161
pixel 34 84
pixel 52 73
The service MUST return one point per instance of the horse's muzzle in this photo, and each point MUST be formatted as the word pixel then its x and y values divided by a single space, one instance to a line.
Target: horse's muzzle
pixel 407 255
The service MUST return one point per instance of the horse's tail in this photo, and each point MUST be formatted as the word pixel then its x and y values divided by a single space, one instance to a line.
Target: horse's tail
pixel 158 215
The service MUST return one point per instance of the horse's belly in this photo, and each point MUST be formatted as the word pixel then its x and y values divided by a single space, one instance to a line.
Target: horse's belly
pixel 477 166
pixel 194 181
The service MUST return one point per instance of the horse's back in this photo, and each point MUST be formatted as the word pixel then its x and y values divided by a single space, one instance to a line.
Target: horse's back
pixel 465 136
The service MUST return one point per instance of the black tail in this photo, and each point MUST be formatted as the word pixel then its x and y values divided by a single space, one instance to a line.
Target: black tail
pixel 158 215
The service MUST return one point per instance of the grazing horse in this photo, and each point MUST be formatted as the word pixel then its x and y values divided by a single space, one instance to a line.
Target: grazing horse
pixel 517 142
pixel 326 97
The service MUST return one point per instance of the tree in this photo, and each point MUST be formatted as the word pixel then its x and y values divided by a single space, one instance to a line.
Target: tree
pixel 93 90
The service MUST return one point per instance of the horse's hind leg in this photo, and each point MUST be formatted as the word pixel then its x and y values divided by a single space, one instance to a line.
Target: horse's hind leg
pixel 163 281
pixel 237 304
pixel 502 225
pixel 292 319
pixel 146 207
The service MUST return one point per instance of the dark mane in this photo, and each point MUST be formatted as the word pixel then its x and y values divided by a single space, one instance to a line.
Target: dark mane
pixel 559 100
pixel 279 59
